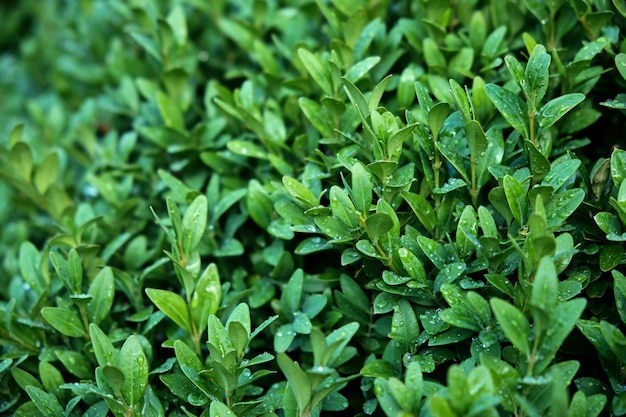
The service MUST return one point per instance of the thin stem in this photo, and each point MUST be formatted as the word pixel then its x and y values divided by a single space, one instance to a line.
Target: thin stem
pixel 531 117
pixel 474 190
pixel 436 168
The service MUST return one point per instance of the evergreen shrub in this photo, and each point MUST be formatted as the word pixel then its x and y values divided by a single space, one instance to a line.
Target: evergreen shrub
pixel 313 207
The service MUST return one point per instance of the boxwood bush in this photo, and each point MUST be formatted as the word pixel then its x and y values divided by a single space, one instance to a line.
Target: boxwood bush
pixel 300 207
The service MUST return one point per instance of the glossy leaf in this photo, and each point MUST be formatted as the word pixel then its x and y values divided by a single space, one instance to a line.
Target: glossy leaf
pixel 537 75
pixel 516 198
pixel 563 320
pixel 46 403
pixel 106 353
pixel 206 296
pixel 555 109
pixel 172 305
pixel 134 365
pixel 64 320
pixel 544 289
pixel 102 290
pixel 510 106
pixel 318 71
pixel 361 189
pixel 298 380
pixel 422 209
pixel 513 323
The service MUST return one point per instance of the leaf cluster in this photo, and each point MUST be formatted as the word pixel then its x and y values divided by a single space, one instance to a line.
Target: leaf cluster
pixel 294 208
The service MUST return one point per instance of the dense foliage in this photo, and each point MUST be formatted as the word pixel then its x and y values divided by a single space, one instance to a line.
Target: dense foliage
pixel 299 207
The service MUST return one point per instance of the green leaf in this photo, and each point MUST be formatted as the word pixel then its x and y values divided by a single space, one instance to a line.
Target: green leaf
pixel 448 274
pixel 478 146
pixel 259 203
pixel 404 325
pixel 51 378
pixel 302 194
pixel 114 377
pixel 61 267
pixel 460 316
pixel 22 161
pixel 361 188
pixel 611 255
pixel 319 71
pixel 450 185
pixel 467 232
pixel 618 166
pixel 539 164
pixel 378 368
pixel 553 110
pixel 170 112
pixel 298 381
pixel 563 318
pixel 75 270
pixel 460 66
pixel 172 305
pixel 432 54
pixel 462 102
pixel 312 245
pixel 513 324
pixel 342 207
pixel 510 106
pixel 561 172
pixel 247 149
pixel 434 251
pixel 436 117
pixel 357 98
pixel 292 294
pixel 487 222
pixel 103 349
pixel 314 113
pixel 206 297
pixel 29 260
pixel 147 44
pixel 219 409
pixel 401 393
pixel 537 73
pixel 358 70
pixel 273 125
pixel 516 198
pixel 385 397
pixel 620 59
pixel 46 173
pixel 102 290
pixel 239 337
pixel 65 320
pixel 178 23
pixel 562 205
pixel 187 358
pixel 377 225
pixel 76 363
pixel 194 224
pixel 46 403
pixel 377 94
pixel 134 365
pixel 284 337
pixel 619 290
pixel 516 69
pixel 544 289
pixel 413 266
pixel 423 97
pixel 422 209
pixel 227 200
